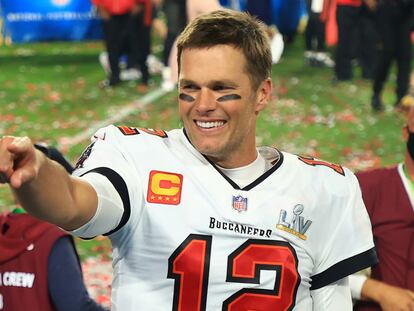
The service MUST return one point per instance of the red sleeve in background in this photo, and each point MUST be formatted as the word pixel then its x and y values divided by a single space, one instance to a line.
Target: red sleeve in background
pixel 116 7
pixel 148 11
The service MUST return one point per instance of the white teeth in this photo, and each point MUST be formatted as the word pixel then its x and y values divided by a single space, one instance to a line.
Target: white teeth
pixel 208 125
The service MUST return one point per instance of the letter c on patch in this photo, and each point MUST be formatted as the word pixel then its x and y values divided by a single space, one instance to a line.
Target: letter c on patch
pixel 165 184
pixel 164 188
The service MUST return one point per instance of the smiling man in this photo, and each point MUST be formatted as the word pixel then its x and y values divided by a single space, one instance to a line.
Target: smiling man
pixel 199 217
pixel 219 106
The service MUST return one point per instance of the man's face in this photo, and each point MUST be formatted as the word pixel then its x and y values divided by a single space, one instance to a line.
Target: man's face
pixel 218 105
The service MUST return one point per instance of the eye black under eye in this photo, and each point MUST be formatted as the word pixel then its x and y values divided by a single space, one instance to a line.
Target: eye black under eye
pixel 228 97
pixel 186 97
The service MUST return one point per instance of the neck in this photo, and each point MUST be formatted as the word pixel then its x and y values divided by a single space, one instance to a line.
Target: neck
pixel 235 162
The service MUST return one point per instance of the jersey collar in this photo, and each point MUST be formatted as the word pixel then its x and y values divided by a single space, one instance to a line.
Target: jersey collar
pixel 275 165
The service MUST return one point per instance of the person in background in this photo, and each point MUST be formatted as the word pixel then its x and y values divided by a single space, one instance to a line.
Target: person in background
pixel 39 265
pixel 175 12
pixel 367 41
pixel 143 22
pixel 263 11
pixel 394 23
pixel 388 194
pixel 194 8
pixel 120 24
pixel 348 18
pixel 315 48
pixel 196 213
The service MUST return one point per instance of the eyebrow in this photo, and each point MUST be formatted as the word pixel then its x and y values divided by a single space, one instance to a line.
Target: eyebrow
pixel 211 84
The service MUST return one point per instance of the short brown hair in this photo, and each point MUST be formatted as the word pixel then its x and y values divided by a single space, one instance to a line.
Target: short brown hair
pixel 238 29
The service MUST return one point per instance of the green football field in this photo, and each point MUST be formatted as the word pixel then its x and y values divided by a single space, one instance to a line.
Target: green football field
pixel 49 91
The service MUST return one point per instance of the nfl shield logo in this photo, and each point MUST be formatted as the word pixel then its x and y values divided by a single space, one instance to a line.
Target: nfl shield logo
pixel 239 203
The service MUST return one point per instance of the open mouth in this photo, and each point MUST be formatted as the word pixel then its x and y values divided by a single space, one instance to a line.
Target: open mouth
pixel 210 124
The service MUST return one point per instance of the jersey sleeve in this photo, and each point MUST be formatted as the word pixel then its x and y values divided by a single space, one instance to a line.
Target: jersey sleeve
pixel 343 240
pixel 335 296
pixel 107 157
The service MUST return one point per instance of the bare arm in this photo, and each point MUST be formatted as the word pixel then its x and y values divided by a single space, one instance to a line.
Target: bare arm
pixel 43 187
pixel 390 298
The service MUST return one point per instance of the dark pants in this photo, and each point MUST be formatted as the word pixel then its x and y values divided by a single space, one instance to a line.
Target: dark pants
pixel 367 43
pixel 141 45
pixel 394 26
pixel 176 16
pixel 348 18
pixel 315 33
pixel 115 35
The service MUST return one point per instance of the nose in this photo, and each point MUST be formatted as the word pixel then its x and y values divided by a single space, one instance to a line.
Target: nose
pixel 205 101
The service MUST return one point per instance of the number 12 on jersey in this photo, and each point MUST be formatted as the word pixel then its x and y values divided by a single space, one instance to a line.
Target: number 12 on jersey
pixel 189 266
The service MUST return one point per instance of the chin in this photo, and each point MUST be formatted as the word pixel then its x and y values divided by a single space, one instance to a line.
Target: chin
pixel 209 150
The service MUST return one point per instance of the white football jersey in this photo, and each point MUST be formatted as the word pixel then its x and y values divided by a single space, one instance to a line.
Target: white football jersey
pixel 190 239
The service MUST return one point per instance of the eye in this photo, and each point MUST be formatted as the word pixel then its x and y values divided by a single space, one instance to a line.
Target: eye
pixel 190 87
pixel 221 87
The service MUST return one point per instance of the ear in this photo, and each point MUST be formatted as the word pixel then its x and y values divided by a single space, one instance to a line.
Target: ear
pixel 264 94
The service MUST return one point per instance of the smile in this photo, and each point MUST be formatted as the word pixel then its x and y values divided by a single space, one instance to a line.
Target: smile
pixel 209 125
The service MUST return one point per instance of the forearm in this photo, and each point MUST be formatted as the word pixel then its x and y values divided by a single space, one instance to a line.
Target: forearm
pixel 54 196
pixel 389 297
pixel 372 290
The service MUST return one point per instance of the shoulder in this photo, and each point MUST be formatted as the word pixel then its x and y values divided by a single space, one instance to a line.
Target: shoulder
pixel 377 177
pixel 128 132
pixel 115 146
pixel 319 174
pixel 127 139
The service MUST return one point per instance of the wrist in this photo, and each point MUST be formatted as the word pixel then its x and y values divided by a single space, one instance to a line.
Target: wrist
pixel 373 290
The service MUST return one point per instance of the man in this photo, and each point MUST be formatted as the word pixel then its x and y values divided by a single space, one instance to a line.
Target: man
pixel 199 218
pixel 120 24
pixel 175 12
pixel 388 195
pixel 394 25
pixel 39 264
pixel 349 14
pixel 315 49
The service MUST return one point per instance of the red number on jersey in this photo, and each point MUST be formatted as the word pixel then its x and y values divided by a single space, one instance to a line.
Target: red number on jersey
pixel 128 130
pixel 244 266
pixel 189 267
pixel 312 161
pixel 156 132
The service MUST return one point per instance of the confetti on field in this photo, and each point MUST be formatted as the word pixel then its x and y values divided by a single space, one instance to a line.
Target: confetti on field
pixel 97 273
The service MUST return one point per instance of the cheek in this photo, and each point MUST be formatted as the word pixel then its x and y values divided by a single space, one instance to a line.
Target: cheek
pixel 183 108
